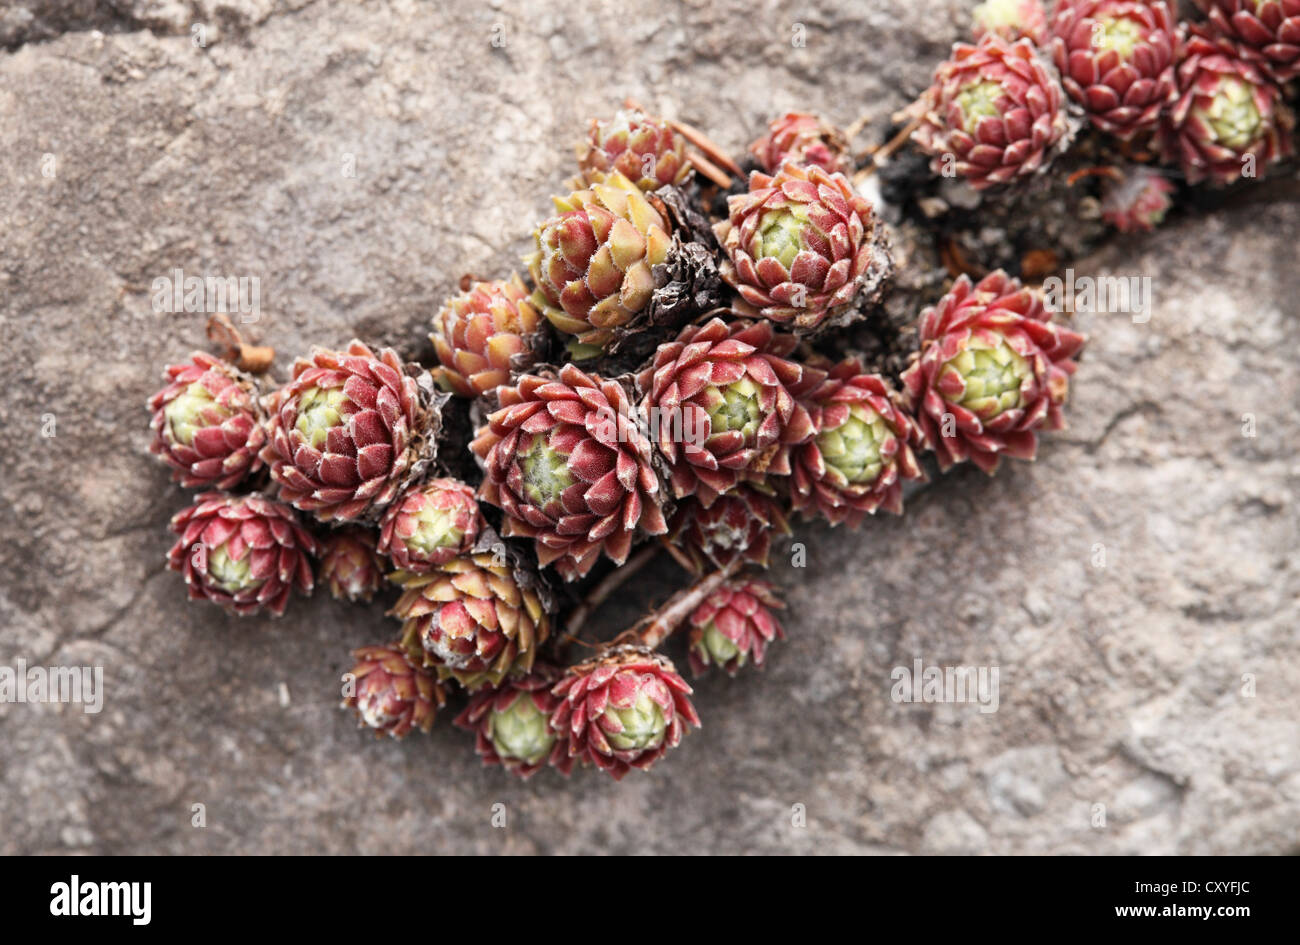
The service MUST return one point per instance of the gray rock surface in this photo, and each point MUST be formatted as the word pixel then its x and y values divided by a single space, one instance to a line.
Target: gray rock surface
pixel 1136 589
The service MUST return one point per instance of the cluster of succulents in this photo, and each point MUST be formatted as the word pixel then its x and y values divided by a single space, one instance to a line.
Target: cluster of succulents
pixel 661 380
pixel 1162 102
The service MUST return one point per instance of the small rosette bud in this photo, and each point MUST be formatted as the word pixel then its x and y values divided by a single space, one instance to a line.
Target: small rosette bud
pixel 1229 121
pixel 350 565
pixel 722 404
pixel 390 692
pixel 243 553
pixel 512 724
pixel 475 619
pixel 483 334
pixel 207 424
pixel 349 431
pixel 995 112
pixel 1116 59
pixel 622 710
pixel 738 526
pixel 595 260
pixel 733 625
pixel 992 370
pixel 429 525
pixel 565 461
pixel 1136 199
pixel 861 453
pixel 800 245
pixel 644 149
pixel 800 138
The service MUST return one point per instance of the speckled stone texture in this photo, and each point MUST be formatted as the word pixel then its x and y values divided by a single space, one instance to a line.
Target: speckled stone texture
pixel 1126 719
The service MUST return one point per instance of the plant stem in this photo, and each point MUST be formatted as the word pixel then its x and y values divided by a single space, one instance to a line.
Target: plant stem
pixel 709 169
pixel 659 626
pixel 255 359
pixel 882 154
pixel 601 593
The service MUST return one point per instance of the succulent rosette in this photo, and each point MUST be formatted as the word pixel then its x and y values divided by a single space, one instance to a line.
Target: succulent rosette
pixel 644 149
pixel 595 260
pixel 1116 59
pixel 623 709
pixel 1230 120
pixel 475 619
pixel 483 334
pixel 392 693
pixel 512 724
pixel 861 453
pixel 349 431
pixel 800 245
pixel 801 138
pixel 1011 20
pixel 243 553
pixel 207 423
pixel 430 524
pixel 995 111
pixel 350 564
pixel 992 370
pixel 732 625
pixel 738 526
pixel 565 461
pixel 1270 27
pixel 721 402
pixel 1136 199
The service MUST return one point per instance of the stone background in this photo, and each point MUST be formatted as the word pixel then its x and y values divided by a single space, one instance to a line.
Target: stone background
pixel 1120 686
